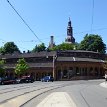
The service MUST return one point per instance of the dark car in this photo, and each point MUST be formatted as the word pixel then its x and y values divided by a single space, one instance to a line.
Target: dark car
pixel 7 80
pixel 47 79
pixel 25 79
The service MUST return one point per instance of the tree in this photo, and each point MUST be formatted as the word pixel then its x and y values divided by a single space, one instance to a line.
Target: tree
pixel 64 46
pixel 2 68
pixel 1 50
pixel 39 48
pixel 21 67
pixel 10 48
pixel 93 42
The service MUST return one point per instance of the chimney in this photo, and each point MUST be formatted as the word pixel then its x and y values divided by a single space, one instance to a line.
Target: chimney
pixel 51 44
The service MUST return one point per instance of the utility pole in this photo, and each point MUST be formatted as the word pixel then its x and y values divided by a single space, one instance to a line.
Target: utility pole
pixel 54 57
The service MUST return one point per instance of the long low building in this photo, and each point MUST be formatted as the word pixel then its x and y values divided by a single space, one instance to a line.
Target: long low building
pixel 62 65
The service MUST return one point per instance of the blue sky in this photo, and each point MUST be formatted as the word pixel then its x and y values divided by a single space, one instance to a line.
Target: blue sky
pixel 50 17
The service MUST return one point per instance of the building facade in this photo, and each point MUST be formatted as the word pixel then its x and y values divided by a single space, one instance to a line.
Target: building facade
pixel 62 65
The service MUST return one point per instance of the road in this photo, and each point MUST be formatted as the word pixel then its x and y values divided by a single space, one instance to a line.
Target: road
pixel 79 93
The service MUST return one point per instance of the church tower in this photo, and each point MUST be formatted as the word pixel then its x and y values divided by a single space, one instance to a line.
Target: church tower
pixel 70 39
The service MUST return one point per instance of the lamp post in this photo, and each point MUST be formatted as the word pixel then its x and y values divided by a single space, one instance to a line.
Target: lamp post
pixel 54 57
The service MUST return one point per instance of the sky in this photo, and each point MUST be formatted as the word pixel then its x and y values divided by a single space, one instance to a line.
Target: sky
pixel 50 18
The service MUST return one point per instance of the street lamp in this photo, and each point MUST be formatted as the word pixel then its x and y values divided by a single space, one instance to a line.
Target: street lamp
pixel 54 57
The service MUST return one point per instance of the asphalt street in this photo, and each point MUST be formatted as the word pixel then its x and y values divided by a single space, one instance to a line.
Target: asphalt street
pixel 81 93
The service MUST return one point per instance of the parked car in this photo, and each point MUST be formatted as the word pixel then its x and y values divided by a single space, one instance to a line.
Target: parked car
pixel 25 79
pixel 18 80
pixel 7 80
pixel 47 79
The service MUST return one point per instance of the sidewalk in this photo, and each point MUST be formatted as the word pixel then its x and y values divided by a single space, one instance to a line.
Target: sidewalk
pixel 104 84
pixel 57 99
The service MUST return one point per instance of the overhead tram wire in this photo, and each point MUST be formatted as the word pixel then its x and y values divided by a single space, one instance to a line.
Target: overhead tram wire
pixel 92 18
pixel 92 21
pixel 4 41
pixel 24 21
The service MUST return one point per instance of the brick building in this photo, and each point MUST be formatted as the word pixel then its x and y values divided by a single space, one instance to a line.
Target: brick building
pixel 62 65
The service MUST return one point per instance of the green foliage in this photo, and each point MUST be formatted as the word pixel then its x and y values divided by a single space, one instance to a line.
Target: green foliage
pixel 39 48
pixel 2 68
pixel 93 42
pixel 9 47
pixel 63 46
pixel 21 67
pixel 2 50
pixel 76 46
